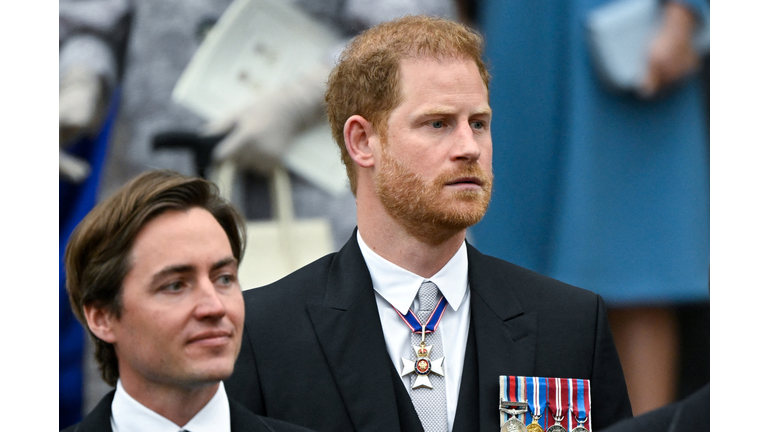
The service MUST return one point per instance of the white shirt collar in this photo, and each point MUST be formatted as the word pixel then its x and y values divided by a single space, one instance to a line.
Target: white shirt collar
pixel 129 415
pixel 400 286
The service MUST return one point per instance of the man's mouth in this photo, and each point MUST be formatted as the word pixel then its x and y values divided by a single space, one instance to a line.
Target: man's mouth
pixel 466 182
pixel 213 337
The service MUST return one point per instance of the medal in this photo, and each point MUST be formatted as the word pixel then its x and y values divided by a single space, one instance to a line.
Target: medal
pixel 513 409
pixel 535 426
pixel 537 399
pixel 513 425
pixel 512 403
pixel 423 365
pixel 556 401
pixel 579 402
pixel 547 404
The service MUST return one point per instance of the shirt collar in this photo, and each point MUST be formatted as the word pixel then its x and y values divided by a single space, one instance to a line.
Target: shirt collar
pixel 130 415
pixel 399 286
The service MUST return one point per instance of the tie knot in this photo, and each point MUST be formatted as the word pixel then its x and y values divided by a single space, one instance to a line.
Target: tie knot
pixel 428 296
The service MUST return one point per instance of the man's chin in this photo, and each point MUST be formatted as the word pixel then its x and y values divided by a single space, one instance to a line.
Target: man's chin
pixel 466 208
pixel 206 379
pixel 438 226
pixel 210 371
pixel 462 220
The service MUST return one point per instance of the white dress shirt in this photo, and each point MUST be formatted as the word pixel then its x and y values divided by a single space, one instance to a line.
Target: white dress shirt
pixel 129 415
pixel 398 288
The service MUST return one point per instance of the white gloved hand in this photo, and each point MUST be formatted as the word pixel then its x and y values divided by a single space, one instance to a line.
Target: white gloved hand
pixel 81 109
pixel 260 134
pixel 81 103
pixel 73 168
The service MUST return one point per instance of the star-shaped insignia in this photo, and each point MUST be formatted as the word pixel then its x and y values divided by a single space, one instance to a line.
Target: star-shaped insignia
pixel 422 366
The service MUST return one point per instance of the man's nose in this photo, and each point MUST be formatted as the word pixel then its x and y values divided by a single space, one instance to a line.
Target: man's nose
pixel 466 145
pixel 209 302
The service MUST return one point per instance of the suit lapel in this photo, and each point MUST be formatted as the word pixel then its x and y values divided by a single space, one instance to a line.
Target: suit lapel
pixel 99 419
pixel 467 415
pixel 349 331
pixel 242 420
pixel 505 334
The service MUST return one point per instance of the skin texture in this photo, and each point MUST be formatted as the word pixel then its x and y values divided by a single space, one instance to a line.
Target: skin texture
pixel 182 320
pixel 429 178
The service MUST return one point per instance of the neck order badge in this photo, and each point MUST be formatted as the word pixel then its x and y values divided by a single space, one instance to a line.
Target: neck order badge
pixel 423 365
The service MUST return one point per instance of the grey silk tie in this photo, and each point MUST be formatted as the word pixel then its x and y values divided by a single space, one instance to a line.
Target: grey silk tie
pixel 430 404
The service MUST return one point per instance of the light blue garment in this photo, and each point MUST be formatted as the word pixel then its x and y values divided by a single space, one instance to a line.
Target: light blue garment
pixel 598 189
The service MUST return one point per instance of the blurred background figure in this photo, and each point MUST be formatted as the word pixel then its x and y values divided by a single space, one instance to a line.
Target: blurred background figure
pixel 141 48
pixel 91 38
pixel 607 190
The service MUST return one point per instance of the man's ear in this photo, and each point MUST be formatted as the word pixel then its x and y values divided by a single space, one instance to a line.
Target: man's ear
pixel 360 139
pixel 100 322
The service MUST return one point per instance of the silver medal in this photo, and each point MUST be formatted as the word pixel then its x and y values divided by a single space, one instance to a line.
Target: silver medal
pixel 513 425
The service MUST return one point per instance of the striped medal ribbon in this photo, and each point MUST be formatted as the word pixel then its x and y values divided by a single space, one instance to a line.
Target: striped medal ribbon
pixel 557 402
pixel 537 401
pixel 512 403
pixel 580 402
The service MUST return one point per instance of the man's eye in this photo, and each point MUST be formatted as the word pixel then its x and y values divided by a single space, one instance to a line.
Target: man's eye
pixel 173 286
pixel 478 124
pixel 226 279
pixel 437 124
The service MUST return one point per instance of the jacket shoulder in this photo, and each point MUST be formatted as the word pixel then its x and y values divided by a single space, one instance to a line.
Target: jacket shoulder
pixel 98 419
pixel 528 283
pixel 243 420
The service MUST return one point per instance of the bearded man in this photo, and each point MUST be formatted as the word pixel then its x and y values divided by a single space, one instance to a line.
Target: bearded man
pixel 408 327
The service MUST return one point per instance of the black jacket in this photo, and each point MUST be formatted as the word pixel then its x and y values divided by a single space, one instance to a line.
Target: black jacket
pixel 314 352
pixel 241 420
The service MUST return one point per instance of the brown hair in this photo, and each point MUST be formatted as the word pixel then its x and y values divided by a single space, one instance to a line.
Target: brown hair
pixel 98 254
pixel 366 79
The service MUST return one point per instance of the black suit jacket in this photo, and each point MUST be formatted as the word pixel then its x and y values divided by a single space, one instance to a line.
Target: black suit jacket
pixel 241 420
pixel 314 352
pixel 688 415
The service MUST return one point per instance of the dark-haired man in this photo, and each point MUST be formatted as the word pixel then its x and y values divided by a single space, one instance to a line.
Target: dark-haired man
pixel 152 274
pixel 408 106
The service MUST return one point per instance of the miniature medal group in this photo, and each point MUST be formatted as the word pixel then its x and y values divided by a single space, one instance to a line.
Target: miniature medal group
pixel 534 404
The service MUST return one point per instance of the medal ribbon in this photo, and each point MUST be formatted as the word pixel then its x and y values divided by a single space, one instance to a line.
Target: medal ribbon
pixel 509 389
pixel 432 322
pixel 521 389
pixel 507 386
pixel 588 403
pixel 513 390
pixel 557 398
pixel 578 399
pixel 537 395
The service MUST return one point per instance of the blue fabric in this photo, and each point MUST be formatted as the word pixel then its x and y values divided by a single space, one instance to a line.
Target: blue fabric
pixel 598 189
pixel 75 201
